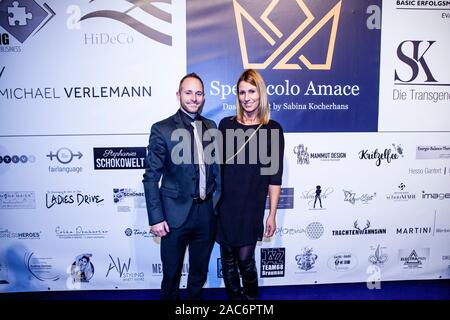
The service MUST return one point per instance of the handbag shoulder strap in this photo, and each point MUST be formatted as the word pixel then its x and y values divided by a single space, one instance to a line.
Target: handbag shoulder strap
pixel 243 146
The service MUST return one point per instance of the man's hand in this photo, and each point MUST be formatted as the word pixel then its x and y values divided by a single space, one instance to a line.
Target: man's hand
pixel 160 229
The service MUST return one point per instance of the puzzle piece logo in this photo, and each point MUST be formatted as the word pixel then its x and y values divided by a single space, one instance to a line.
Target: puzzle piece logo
pixel 286 46
pixel 17 15
pixel 22 18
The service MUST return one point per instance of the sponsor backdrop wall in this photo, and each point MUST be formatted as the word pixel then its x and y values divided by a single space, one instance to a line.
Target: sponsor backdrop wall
pixel 361 88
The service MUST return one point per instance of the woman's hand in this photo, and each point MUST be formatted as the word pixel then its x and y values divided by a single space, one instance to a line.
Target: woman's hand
pixel 270 226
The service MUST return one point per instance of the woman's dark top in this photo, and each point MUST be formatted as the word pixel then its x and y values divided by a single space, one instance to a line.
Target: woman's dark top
pixel 244 186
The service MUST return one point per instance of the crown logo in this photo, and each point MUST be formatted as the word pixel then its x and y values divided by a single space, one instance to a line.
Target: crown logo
pixel 279 41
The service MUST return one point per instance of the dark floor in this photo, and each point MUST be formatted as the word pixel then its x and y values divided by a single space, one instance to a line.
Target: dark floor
pixel 389 290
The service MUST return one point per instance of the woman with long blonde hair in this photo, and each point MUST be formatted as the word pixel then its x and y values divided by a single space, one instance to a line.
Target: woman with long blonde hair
pixel 253 153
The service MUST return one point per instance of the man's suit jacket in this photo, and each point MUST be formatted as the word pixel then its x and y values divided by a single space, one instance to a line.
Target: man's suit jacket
pixel 172 200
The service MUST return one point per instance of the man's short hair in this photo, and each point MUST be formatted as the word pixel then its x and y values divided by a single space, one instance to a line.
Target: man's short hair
pixel 191 75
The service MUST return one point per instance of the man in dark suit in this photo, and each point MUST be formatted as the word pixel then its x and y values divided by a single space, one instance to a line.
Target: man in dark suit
pixel 182 209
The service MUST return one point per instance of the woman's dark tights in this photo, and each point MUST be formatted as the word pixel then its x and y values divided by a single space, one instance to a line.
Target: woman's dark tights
pixel 235 261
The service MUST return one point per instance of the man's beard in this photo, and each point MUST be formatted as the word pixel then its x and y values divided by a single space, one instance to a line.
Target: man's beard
pixel 199 110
